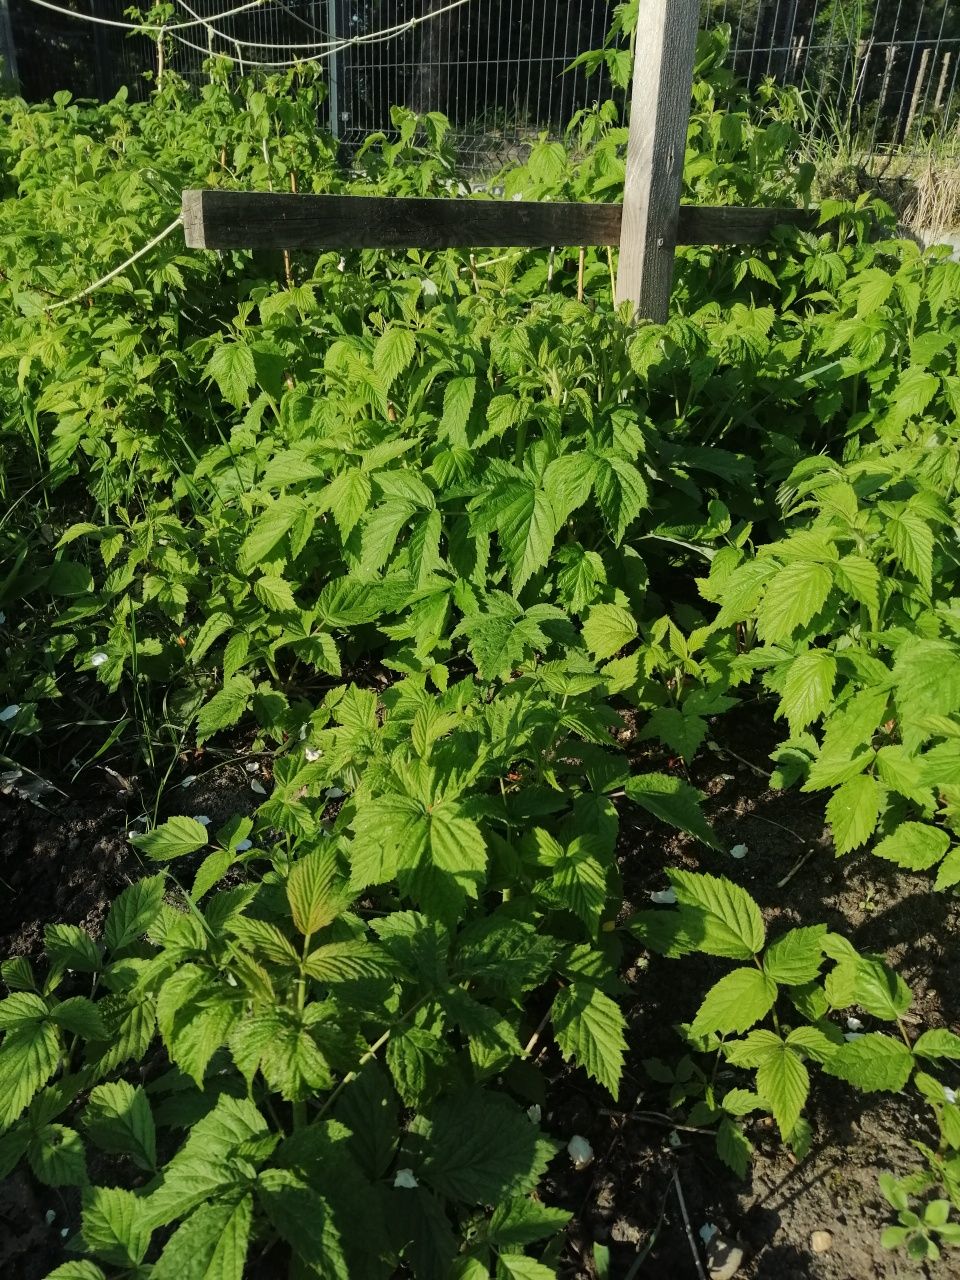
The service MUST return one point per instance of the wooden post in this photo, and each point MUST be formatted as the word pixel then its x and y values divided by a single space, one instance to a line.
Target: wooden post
pixel 945 71
pixel 8 50
pixel 659 115
pixel 917 91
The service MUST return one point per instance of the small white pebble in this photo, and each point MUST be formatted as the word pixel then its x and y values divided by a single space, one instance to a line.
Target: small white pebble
pixel 258 787
pixel 342 265
pixel 231 980
pixel 49 1217
pixel 738 851
pixel 189 780
pixel 311 755
pixel 854 1024
pixel 534 1114
pixel 708 1231
pixel 98 660
pixel 664 897
pixel 580 1152
pixel 10 713
pixel 252 767
pixel 334 793
pixel 3 617
pixel 304 730
pixel 674 1138
pixel 949 1094
pixel 64 1232
pixel 202 819
pixel 405 1178
pixel 242 846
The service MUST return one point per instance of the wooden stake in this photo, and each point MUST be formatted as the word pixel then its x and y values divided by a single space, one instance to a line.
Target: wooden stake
pixel 659 115
pixel 580 270
pixel 917 90
pixel 941 87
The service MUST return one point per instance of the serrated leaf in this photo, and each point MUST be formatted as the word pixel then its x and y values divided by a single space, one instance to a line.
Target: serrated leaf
pixel 233 370
pixel 796 957
pixel 621 492
pixel 949 873
pixel 346 962
pixel 314 900
pixel 723 917
pixel 860 578
pixel 275 593
pixel 458 397
pixel 527 525
pixel 480 1148
pixel 81 1017
pixel 119 1120
pixel 938 1043
pixel 912 540
pixel 927 675
pixel 784 1082
pixel 133 912
pixel 57 1158
pixel 735 1003
pixel 210 632
pixel 302 1218
pixel 733 1147
pixel 268 532
pixel 880 990
pixel 672 801
pixel 914 845
pixel 524 1221
pixel 210 1245
pixel 589 1028
pixel 172 839
pixel 393 353
pixel 853 811
pixel 792 599
pixel 608 629
pixel 348 497
pixel 225 707
pixel 873 1063
pixel 517 1266
pixel 808 689
pixel 114 1225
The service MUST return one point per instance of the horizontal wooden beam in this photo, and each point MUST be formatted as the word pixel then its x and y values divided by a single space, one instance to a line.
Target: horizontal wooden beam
pixel 215 219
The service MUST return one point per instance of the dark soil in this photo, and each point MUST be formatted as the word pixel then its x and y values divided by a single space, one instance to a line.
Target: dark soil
pixel 67 863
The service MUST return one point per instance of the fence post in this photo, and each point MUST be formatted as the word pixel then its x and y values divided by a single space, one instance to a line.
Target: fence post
pixel 659 115
pixel 8 50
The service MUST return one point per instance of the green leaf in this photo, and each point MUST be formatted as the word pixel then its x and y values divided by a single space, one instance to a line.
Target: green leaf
pixel 589 1027
pixel 808 689
pixel 721 917
pixel 225 707
pixel 853 812
pixel 672 801
pixel 233 370
pixel 172 839
pixel 949 872
pixel 458 397
pixel 76 1271
pixel 880 990
pixel 348 497
pixel 927 676
pixel 268 532
pixel 314 900
pixel 81 1017
pixel 796 957
pixel 480 1148
pixel 393 353
pixel 302 1218
pixel 784 1082
pixel 793 599
pixel 523 1221
pixel 608 629
pixel 860 578
pixel 733 1147
pixel 912 540
pixel 914 845
pixel 517 1266
pixel 275 593
pixel 527 525
pixel 133 912
pixel 346 962
pixel 873 1063
pixel 210 1245
pixel 938 1043
pixel 735 1003
pixel 57 1158
pixel 114 1225
pixel 621 492
pixel 119 1120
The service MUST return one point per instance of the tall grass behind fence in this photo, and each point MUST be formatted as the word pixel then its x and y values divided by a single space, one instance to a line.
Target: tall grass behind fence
pixel 886 70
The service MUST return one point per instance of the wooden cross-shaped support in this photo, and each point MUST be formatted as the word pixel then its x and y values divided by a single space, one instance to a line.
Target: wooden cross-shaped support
pixel 648 226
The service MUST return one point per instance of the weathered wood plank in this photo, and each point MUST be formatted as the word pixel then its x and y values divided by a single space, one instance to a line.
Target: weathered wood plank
pixel 731 224
pixel 659 114
pixel 258 220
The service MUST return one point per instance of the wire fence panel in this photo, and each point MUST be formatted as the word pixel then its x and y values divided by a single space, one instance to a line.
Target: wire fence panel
pixel 883 70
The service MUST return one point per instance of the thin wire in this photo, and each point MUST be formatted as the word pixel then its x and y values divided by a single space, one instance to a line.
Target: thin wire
pixel 91 288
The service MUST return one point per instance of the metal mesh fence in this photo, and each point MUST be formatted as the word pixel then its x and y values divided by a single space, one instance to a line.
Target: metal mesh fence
pixel 886 70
